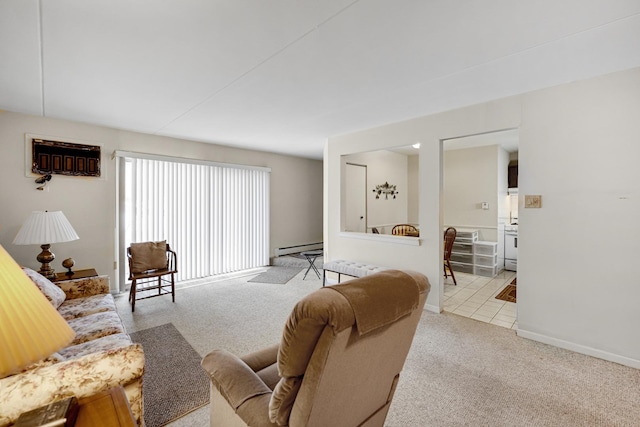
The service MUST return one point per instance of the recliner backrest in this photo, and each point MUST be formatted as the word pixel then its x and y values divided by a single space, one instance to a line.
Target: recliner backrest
pixel 340 357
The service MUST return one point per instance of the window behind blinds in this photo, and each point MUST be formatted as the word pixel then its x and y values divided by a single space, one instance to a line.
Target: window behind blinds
pixel 215 216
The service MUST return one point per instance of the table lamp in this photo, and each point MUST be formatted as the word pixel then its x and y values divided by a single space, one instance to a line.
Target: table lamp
pixel 44 228
pixel 30 328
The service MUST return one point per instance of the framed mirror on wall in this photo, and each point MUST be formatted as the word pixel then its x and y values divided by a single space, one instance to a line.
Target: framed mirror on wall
pixel 380 191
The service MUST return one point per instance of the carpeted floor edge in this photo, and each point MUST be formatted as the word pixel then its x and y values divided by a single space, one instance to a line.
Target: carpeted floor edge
pixel 277 275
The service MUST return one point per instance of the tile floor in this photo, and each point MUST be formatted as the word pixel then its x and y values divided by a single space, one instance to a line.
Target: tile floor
pixel 474 297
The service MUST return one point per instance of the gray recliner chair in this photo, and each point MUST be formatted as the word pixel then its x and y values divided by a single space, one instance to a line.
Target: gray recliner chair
pixel 338 363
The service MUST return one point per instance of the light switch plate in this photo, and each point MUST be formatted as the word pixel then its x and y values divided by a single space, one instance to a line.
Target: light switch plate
pixel 532 201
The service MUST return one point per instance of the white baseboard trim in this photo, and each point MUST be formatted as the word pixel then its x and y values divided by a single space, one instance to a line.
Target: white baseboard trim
pixel 298 248
pixel 578 348
pixel 432 308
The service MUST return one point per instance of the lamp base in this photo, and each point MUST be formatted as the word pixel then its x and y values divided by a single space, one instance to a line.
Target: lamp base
pixel 45 257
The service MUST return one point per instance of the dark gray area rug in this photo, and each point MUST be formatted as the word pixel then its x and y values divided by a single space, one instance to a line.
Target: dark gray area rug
pixel 277 275
pixel 174 383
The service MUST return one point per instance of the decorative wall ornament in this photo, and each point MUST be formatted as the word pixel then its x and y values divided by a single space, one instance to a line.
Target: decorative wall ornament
pixel 64 158
pixel 43 180
pixel 386 189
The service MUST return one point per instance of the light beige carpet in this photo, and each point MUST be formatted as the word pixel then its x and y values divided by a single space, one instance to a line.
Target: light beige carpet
pixel 459 372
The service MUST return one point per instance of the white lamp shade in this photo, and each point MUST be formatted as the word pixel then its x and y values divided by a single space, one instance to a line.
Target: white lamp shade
pixel 44 228
pixel 31 329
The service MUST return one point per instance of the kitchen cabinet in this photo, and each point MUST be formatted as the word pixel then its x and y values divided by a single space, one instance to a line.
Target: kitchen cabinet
pixel 513 176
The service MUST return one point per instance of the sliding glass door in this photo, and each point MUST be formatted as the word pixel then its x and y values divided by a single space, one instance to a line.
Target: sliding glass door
pixel 215 216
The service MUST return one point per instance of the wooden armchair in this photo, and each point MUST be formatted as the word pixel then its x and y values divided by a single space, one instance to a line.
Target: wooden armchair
pixel 149 264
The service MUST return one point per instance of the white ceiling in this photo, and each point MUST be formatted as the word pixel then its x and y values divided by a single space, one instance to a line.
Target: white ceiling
pixel 284 75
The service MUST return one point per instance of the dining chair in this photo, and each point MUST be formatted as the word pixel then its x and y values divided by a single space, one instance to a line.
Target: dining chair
pixel 404 230
pixel 449 238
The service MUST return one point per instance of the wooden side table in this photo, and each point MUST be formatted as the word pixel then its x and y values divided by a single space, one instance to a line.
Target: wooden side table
pixel 78 274
pixel 109 408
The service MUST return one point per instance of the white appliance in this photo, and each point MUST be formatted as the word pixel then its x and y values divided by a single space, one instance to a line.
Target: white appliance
pixel 511 247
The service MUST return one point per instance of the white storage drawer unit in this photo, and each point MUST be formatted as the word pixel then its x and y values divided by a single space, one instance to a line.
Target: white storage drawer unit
pixel 486 261
pixel 485 258
pixel 462 251
pixel 469 255
pixel 485 271
pixel 461 267
pixel 463 248
pixel 462 258
pixel 485 248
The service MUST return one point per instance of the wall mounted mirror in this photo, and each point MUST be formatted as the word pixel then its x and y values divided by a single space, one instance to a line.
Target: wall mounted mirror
pixel 379 190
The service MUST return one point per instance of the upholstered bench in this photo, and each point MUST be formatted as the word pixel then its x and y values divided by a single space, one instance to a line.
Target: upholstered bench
pixel 349 268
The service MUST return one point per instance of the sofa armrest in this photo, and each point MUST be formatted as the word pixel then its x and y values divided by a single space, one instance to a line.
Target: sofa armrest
pixel 235 380
pixel 79 288
pixel 81 377
pixel 262 358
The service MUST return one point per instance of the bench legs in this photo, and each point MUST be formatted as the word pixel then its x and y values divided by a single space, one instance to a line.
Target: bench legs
pixel 324 276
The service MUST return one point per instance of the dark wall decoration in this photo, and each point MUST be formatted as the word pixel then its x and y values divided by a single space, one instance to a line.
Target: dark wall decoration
pixel 65 158
pixel 386 189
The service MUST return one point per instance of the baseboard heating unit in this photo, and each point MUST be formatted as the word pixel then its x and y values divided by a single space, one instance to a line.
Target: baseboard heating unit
pixel 299 248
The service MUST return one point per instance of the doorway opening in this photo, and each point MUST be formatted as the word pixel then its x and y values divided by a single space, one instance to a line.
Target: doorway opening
pixel 477 202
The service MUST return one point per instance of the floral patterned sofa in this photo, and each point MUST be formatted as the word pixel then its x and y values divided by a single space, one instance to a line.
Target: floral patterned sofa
pixel 101 355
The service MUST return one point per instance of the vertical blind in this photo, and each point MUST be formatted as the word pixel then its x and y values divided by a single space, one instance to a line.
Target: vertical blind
pixel 215 217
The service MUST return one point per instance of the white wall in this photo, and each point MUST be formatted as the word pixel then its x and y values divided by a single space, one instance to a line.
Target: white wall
pixel 579 150
pixel 577 287
pixel 504 207
pixel 470 178
pixel 89 203
pixel 413 182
